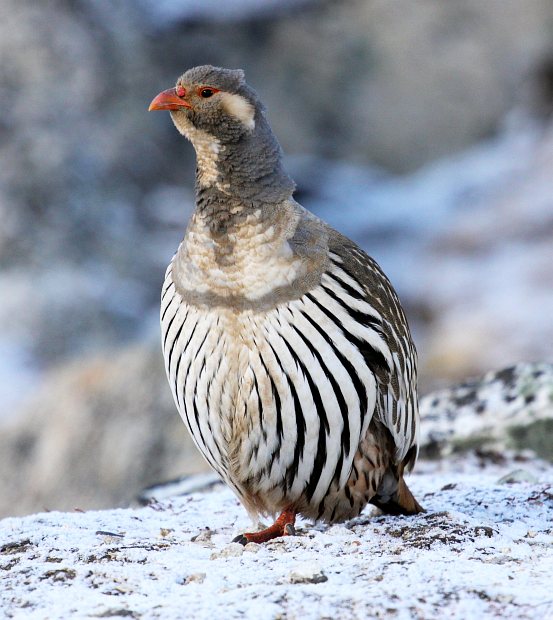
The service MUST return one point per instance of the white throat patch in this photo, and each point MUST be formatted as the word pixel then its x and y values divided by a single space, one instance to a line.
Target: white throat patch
pixel 207 149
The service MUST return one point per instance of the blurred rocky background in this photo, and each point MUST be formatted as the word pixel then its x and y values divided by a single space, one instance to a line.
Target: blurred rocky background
pixel 422 129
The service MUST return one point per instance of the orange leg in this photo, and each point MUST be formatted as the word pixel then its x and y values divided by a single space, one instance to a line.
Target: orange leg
pixel 283 526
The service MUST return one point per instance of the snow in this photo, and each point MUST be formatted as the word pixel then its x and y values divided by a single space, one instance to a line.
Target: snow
pixel 482 550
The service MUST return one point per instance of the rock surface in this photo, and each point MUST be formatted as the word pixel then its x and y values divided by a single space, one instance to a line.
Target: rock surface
pixel 482 550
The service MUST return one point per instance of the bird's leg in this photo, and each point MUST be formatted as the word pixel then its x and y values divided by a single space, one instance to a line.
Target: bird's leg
pixel 283 526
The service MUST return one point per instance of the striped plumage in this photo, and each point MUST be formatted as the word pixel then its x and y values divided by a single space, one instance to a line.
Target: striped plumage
pixel 286 347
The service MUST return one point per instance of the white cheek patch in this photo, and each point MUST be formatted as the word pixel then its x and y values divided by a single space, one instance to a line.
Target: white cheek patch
pixel 240 108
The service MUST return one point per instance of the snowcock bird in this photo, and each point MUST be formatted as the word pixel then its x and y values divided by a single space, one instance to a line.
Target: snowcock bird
pixel 286 347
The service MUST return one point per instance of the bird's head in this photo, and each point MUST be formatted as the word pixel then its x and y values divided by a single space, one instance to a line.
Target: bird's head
pixel 214 100
pixel 224 119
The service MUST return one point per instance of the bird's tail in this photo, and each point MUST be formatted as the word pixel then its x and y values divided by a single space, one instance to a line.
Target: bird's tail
pixel 400 502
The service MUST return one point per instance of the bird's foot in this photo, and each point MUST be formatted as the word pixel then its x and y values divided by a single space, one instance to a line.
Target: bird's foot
pixel 283 526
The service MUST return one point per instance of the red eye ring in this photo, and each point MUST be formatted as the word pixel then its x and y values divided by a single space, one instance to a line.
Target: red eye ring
pixel 180 90
pixel 206 91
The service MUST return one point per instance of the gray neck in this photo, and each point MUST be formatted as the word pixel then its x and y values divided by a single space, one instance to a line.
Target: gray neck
pixel 250 176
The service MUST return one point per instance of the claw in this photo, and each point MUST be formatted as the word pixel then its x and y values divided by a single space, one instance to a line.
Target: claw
pixel 289 529
pixel 240 539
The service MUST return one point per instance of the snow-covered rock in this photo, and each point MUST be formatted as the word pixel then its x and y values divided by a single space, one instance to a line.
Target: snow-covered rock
pixel 507 409
pixel 482 550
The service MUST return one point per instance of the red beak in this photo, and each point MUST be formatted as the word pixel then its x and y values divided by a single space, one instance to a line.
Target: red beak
pixel 168 100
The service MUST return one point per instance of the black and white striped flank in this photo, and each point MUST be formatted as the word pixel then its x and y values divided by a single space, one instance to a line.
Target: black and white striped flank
pixel 278 401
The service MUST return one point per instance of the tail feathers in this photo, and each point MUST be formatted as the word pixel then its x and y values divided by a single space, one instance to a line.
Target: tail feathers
pixel 400 502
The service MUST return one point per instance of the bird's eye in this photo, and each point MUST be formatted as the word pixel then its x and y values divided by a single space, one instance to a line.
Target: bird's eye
pixel 206 92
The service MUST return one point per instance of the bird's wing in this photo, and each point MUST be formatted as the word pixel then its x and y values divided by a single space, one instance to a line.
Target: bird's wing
pixel 369 299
